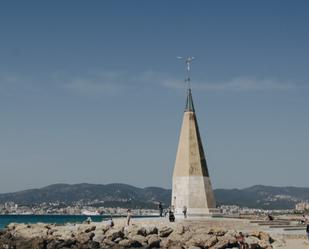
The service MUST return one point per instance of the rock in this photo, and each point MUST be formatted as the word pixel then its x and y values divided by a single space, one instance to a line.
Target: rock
pixel 223 242
pixel 90 229
pixel 131 230
pixel 83 238
pixel 264 244
pixel 153 241
pixel 108 243
pixel 211 242
pixel 167 243
pixel 99 237
pixel 232 241
pixel 117 240
pixel 92 245
pixel 217 231
pixel 151 230
pixel 165 231
pixel 265 237
pixel 105 229
pixel 129 243
pixel 139 238
pixel 254 234
pixel 114 233
pixel 125 243
pixel 180 229
pixel 181 237
pixel 232 233
pixel 279 243
pixel 199 240
pixel 253 242
pixel 55 244
pixel 142 231
pixel 39 243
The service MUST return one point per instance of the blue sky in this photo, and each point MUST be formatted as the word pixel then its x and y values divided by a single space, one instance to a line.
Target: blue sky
pixel 91 91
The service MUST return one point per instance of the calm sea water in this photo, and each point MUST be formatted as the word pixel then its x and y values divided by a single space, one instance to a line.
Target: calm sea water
pixel 57 219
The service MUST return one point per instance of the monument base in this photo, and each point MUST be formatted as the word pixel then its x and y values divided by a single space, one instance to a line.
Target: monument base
pixel 198 212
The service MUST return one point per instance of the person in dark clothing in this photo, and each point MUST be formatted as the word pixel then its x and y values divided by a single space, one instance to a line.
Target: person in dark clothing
pixel 171 216
pixel 184 211
pixel 307 228
pixel 270 217
pixel 161 209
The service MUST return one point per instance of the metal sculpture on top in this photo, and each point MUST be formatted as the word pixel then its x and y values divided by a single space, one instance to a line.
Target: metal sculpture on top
pixel 188 62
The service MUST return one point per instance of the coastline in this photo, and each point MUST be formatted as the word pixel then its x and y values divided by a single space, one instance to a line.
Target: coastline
pixel 6 219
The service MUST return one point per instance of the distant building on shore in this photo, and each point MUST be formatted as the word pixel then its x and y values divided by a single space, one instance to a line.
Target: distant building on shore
pixel 192 188
pixel 302 206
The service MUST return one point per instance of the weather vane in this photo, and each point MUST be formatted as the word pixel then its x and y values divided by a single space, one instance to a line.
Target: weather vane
pixel 188 62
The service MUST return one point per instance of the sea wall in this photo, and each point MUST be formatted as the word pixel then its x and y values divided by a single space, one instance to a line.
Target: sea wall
pixel 148 235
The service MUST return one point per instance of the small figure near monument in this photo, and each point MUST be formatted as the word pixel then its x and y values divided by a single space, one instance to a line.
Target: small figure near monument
pixel 161 209
pixel 184 212
pixel 171 216
pixel 128 217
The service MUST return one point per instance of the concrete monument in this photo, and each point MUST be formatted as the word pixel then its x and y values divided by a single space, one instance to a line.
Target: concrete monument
pixel 192 188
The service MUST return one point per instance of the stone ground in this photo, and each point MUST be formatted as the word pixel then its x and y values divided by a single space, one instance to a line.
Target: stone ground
pixel 285 239
pixel 193 233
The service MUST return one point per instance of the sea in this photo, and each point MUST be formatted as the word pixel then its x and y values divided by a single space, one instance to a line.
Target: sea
pixel 54 219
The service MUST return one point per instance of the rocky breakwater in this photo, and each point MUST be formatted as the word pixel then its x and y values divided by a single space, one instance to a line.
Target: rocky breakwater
pixel 99 235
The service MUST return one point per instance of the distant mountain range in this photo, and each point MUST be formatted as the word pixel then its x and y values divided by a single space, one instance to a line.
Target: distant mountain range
pixel 122 195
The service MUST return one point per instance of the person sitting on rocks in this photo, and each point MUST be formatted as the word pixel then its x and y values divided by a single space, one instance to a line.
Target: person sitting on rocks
pixel 171 216
pixel 270 217
pixel 303 220
pixel 241 244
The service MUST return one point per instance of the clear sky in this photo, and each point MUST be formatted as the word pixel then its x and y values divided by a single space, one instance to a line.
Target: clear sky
pixel 91 91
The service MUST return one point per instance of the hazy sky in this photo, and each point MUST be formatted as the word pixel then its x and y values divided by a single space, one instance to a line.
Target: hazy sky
pixel 91 91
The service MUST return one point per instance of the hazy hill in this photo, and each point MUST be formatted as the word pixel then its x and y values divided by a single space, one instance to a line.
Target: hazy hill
pixel 266 197
pixel 123 195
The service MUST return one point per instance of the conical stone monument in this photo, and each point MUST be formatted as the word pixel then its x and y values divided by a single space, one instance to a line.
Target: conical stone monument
pixel 192 188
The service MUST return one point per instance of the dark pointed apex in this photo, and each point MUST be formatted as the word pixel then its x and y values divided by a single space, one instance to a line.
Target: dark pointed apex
pixel 189 103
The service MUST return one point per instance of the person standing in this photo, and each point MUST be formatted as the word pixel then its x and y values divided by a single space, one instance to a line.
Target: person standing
pixel 110 222
pixel 128 217
pixel 171 216
pixel 161 209
pixel 184 211
pixel 307 227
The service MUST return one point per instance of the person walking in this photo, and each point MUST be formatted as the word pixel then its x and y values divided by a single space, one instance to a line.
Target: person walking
pixel 128 217
pixel 161 209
